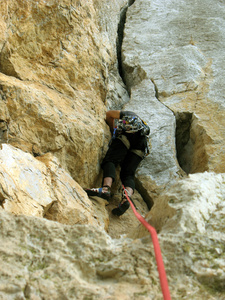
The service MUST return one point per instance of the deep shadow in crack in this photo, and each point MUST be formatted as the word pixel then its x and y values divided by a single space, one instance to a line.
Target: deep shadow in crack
pixel 120 35
pixel 184 146
pixel 144 193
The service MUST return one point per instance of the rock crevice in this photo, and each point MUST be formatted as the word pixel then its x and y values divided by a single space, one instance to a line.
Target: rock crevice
pixel 120 36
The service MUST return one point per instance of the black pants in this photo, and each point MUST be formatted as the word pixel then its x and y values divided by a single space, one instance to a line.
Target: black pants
pixel 119 154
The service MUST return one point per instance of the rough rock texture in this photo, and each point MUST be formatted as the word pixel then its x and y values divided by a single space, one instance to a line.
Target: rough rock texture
pixel 172 67
pixel 57 56
pixel 190 218
pixel 47 260
pixel 60 67
pixel 178 46
pixel 40 187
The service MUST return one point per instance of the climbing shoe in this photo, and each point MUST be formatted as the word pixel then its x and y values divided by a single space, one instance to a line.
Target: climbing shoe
pixel 124 204
pixel 120 210
pixel 99 192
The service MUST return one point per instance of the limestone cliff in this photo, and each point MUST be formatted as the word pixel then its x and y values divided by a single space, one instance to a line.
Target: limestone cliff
pixel 62 65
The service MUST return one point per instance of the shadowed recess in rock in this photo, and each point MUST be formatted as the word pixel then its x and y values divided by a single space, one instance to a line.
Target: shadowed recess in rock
pixel 191 141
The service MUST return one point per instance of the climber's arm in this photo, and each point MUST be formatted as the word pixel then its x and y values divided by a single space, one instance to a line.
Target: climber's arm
pixel 110 116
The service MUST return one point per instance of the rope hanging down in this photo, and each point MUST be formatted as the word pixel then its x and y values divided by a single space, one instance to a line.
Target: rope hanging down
pixel 158 255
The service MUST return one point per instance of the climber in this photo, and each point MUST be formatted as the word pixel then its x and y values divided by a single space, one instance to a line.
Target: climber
pixel 127 147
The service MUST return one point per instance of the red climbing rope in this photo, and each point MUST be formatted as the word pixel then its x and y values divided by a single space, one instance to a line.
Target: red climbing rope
pixel 158 255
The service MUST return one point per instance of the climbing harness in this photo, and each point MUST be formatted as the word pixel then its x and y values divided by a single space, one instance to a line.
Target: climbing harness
pixel 130 124
pixel 158 255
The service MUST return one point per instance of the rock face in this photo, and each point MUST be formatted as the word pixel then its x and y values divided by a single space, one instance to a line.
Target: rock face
pixel 41 188
pixel 62 65
pixel 190 219
pixel 173 73
pixel 53 261
pixel 170 47
pixel 55 59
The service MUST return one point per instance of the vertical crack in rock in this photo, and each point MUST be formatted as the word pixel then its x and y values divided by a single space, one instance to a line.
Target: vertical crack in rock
pixel 120 35
pixel 191 141
pixel 156 89
pixel 144 193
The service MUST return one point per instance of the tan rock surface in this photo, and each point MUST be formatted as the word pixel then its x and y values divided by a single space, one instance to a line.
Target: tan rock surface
pixel 41 188
pixel 58 76
pixel 62 54
pixel 39 120
pixel 52 42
